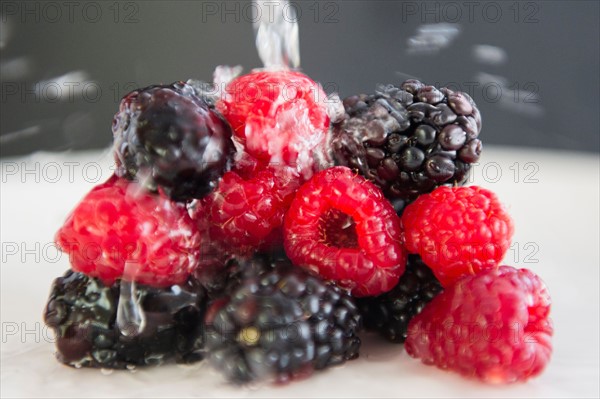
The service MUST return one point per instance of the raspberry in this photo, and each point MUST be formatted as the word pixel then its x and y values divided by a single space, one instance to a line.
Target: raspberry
pixel 390 313
pixel 82 311
pixel 278 321
pixel 457 231
pixel 493 326
pixel 168 137
pixel 361 249
pixel 119 229
pixel 245 214
pixel 280 117
pixel 409 140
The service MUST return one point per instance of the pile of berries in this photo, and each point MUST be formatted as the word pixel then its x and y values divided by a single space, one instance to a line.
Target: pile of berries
pixel 257 232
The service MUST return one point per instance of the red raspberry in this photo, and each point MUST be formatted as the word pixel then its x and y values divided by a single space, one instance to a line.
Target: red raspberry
pixel 280 117
pixel 245 214
pixel 493 326
pixel 118 229
pixel 457 231
pixel 341 227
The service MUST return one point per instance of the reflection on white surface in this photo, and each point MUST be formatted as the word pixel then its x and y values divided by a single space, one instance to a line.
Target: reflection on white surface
pixel 552 196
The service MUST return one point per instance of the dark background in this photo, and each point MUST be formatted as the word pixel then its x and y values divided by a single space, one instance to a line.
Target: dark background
pixel 542 90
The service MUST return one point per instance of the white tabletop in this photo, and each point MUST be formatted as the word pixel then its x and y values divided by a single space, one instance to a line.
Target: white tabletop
pixel 554 199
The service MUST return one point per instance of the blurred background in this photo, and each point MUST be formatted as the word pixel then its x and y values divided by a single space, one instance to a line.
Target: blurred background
pixel 533 67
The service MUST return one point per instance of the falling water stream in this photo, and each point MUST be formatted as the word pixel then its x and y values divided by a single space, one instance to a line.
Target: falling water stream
pixel 276 30
pixel 131 318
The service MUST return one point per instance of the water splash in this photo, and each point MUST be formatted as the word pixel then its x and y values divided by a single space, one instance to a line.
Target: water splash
pixel 74 83
pixel 335 108
pixel 431 38
pixel 131 318
pixel 487 54
pixel 15 68
pixel 212 92
pixel 20 134
pixel 224 74
pixel 511 97
pixel 276 30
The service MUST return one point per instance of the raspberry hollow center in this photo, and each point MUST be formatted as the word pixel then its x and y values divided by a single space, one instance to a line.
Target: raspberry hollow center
pixel 338 229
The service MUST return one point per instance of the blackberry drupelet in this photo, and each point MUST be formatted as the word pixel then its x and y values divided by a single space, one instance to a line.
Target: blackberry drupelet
pixel 390 313
pixel 169 138
pixel 223 282
pixel 409 140
pixel 82 311
pixel 278 321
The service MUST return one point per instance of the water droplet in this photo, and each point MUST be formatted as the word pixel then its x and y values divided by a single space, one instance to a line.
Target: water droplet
pixel 131 318
pixel 488 54
pixel 431 38
pixel 106 371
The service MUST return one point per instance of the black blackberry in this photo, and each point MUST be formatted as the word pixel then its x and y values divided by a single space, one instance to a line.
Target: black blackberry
pixel 409 140
pixel 169 138
pixel 390 313
pixel 223 282
pixel 279 321
pixel 82 311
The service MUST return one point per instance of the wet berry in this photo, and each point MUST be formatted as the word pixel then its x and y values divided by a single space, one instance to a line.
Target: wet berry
pixel 168 138
pixel 121 230
pixel 275 321
pixel 280 117
pixel 409 140
pixel 457 231
pixel 340 226
pixel 82 312
pixel 390 313
pixel 493 326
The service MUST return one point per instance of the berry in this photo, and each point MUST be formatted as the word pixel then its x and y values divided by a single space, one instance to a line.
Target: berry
pixel 245 214
pixel 280 117
pixel 493 326
pixel 277 322
pixel 83 313
pixel 340 226
pixel 120 230
pixel 390 313
pixel 457 231
pixel 409 140
pixel 169 138
pixel 238 269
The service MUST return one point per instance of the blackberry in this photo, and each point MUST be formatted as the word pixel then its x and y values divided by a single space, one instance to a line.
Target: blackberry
pixel 83 313
pixel 409 140
pixel 277 321
pixel 223 282
pixel 169 138
pixel 390 313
